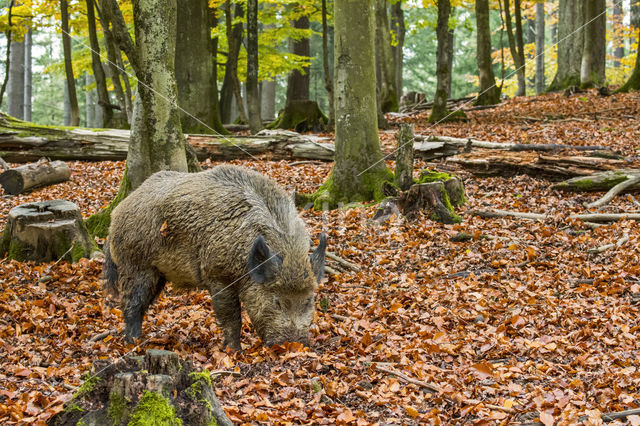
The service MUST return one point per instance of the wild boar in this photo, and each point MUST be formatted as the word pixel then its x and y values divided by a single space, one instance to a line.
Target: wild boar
pixel 229 230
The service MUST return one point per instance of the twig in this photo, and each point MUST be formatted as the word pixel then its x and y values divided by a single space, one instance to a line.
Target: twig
pixel 437 389
pixel 619 243
pixel 505 213
pixel 343 262
pixel 634 201
pixel 330 270
pixel 225 373
pixel 338 317
pixel 631 181
pixel 102 335
pixel 299 163
pixel 605 217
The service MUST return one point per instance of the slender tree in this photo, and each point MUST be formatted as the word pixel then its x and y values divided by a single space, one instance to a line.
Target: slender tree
pixel 398 29
pixel 618 49
pixel 28 75
pixel 68 64
pixel 385 61
pixel 539 48
pixel 443 71
pixel 253 96
pixel 359 170
pixel 516 44
pixel 633 83
pixel 489 92
pixel 7 34
pixel 231 84
pixel 328 82
pixel 15 91
pixel 96 65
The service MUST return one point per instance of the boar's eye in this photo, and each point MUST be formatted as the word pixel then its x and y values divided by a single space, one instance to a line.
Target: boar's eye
pixel 278 304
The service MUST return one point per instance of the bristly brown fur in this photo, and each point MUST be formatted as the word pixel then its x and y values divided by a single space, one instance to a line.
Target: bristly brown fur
pixel 197 231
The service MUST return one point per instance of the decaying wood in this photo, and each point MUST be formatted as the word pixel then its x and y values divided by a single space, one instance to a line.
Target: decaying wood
pixel 605 217
pixel 30 176
pixel 505 213
pixel 621 187
pixel 601 181
pixel 507 146
pixel 553 167
pixel 343 262
pixel 404 157
pixel 437 389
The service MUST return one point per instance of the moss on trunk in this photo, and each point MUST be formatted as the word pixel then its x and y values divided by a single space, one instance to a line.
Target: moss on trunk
pixel 301 116
pixel 98 224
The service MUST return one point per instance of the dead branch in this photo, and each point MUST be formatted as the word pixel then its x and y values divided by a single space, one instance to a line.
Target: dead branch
pixel 437 389
pixel 103 335
pixel 605 217
pixel 619 243
pixel 505 213
pixel 330 270
pixel 610 195
pixel 4 165
pixel 343 262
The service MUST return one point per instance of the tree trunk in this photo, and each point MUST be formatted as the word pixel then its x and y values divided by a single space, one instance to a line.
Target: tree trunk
pixel 253 96
pixel 489 92
pixel 7 66
pixel 194 71
pixel 67 105
pixel 385 66
pixel 570 44
pixel 633 83
pixel 539 48
pixel 96 66
pixel 443 71
pixel 89 102
pixel 359 170
pixel 592 71
pixel 15 90
pixel 229 89
pixel 268 100
pixel 68 66
pixel 157 142
pixel 404 157
pixel 618 42
pixel 398 28
pixel 298 82
pixel 516 45
pixel 28 75
pixel 328 82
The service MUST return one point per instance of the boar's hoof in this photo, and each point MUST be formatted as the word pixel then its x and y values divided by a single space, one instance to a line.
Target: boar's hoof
pixel 234 345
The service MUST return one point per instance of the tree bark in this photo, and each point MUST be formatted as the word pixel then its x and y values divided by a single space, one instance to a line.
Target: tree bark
pixel 15 90
pixel 540 48
pixel 24 178
pixel 570 44
pixel 96 66
pixel 592 71
pixel 516 45
pixel 28 75
pixel 385 63
pixel 443 71
pixel 489 92
pixel 633 83
pixel 253 96
pixel 68 66
pixel 359 170
pixel 7 68
pixel 298 82
pixel 230 89
pixel 157 142
pixel 328 82
pixel 398 28
pixel 268 100
pixel 618 43
pixel 90 102
pixel 197 93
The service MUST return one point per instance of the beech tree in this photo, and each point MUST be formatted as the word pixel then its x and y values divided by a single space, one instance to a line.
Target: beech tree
pixel 68 67
pixel 570 44
pixel 444 55
pixel 359 170
pixel 253 96
pixel 488 92
pixel 592 70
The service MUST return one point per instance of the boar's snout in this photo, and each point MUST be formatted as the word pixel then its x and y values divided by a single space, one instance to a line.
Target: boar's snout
pixel 301 337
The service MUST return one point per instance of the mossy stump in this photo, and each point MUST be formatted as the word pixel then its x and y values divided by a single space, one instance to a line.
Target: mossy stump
pixel 301 116
pixel 157 389
pixel 435 193
pixel 46 231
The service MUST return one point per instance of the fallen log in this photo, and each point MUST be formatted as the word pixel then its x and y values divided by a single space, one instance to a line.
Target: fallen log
pixel 605 217
pixel 30 176
pixel 508 146
pixel 505 213
pixel 552 167
pixel 597 182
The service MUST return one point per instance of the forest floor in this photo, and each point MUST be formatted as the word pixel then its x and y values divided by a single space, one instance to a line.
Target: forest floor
pixel 521 317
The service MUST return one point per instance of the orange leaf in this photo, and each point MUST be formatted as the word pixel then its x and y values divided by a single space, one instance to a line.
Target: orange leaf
pixel 163 229
pixel 483 369
pixel 411 411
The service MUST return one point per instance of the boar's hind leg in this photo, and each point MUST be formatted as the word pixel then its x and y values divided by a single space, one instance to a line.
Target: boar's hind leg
pixel 227 308
pixel 143 286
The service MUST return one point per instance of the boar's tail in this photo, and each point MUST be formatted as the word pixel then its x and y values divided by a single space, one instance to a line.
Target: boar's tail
pixel 110 273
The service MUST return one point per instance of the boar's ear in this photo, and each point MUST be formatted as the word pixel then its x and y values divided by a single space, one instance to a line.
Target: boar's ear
pixel 263 264
pixel 317 258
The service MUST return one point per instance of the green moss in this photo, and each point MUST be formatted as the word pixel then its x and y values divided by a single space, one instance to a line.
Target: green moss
pixel 204 375
pixel 330 196
pixel 300 116
pixel 117 406
pixel 98 224
pixel 452 217
pixel 447 116
pixel 154 410
pixel 427 176
pixel 82 423
pixel 16 251
pixel 87 387
pixel 73 408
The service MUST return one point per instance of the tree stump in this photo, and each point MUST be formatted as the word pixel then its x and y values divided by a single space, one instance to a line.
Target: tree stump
pixel 436 193
pixel 155 389
pixel 29 176
pixel 45 231
pixel 404 157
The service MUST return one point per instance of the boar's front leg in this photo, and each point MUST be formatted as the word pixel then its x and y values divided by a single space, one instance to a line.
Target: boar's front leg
pixel 141 289
pixel 226 305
